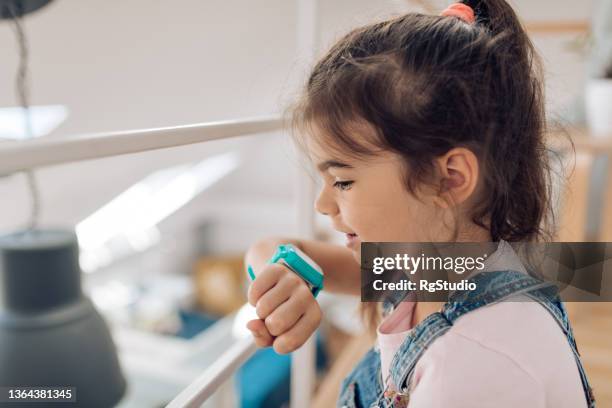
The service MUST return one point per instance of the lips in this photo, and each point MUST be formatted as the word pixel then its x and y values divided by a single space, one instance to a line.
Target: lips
pixel 351 239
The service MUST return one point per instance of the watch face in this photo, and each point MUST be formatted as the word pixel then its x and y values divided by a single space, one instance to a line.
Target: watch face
pixel 307 259
pixel 301 264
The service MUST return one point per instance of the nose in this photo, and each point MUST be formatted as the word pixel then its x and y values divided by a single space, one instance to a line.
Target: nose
pixel 325 204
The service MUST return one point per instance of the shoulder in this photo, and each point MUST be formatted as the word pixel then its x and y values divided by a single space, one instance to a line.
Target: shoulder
pixel 460 372
pixel 511 353
pixel 521 329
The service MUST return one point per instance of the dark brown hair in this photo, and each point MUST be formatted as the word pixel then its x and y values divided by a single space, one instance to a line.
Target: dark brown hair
pixel 425 84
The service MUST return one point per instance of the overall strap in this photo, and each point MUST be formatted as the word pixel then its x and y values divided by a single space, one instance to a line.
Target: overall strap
pixel 492 287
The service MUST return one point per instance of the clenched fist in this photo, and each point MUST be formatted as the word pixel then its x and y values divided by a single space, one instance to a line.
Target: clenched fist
pixel 288 312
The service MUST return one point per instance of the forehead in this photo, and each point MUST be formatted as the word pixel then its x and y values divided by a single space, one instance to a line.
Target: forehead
pixel 354 147
pixel 325 165
pixel 325 157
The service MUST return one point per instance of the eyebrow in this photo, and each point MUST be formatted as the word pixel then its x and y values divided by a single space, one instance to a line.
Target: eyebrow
pixel 332 163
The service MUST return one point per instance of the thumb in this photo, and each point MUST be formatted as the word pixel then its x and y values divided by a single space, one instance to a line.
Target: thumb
pixel 263 338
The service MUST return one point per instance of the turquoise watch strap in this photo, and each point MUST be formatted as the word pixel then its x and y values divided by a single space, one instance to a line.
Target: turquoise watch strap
pixel 301 264
pixel 251 273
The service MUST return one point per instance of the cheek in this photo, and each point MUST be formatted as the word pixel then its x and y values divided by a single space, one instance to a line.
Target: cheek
pixel 402 219
pixel 361 216
pixel 386 214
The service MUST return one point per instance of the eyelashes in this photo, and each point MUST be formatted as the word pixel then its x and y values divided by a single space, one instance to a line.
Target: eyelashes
pixel 343 185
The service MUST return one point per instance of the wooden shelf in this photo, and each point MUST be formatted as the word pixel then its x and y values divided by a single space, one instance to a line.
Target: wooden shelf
pixel 583 141
pixel 557 27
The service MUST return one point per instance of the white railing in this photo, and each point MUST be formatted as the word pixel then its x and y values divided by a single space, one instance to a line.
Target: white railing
pixel 30 154
pixel 206 384
pixel 19 156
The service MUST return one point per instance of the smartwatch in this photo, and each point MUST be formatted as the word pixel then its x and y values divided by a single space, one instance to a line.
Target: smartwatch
pixel 300 263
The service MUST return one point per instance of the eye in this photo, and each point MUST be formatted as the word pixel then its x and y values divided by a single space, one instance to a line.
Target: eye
pixel 343 185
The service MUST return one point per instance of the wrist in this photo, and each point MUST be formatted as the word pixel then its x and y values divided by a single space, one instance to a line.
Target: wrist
pixel 259 253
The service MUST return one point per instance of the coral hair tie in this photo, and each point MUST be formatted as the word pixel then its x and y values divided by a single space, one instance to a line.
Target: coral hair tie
pixel 461 10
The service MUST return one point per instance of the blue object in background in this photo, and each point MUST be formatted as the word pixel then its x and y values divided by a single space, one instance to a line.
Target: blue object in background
pixel 264 380
pixel 192 323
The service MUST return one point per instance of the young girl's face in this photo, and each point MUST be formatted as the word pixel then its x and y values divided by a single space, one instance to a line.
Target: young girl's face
pixel 370 199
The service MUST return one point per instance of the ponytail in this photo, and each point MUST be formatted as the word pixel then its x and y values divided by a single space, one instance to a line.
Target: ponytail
pixel 519 208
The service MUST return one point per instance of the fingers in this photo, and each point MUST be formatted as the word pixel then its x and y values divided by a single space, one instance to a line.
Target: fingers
pixel 283 317
pixel 288 313
pixel 260 333
pixel 300 332
pixel 288 286
pixel 264 282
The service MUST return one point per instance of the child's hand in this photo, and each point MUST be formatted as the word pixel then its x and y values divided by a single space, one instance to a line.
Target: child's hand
pixel 288 311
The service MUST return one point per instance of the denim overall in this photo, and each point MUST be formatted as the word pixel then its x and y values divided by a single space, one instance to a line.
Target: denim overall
pixel 363 387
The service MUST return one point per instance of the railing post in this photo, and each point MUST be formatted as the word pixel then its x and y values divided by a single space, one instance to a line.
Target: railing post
pixel 303 360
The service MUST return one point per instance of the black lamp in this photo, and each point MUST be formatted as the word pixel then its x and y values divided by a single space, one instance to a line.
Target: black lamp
pixel 50 333
pixel 12 8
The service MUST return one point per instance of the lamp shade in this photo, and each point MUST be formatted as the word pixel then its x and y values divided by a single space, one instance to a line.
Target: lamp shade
pixel 8 8
pixel 50 333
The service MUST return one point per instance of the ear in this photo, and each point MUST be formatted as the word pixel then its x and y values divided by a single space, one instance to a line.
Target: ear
pixel 459 173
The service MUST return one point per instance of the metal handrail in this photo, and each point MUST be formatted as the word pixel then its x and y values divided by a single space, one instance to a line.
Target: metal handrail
pixel 29 154
pixel 210 380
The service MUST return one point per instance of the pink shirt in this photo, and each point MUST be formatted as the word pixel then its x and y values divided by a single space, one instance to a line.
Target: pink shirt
pixel 508 354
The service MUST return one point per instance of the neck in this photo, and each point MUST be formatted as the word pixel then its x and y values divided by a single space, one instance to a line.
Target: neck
pixel 424 309
pixel 472 233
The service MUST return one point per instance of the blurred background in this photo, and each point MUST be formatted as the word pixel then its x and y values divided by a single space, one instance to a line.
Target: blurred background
pixel 169 293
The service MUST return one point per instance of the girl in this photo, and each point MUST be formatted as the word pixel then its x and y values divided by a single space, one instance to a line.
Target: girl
pixel 430 129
